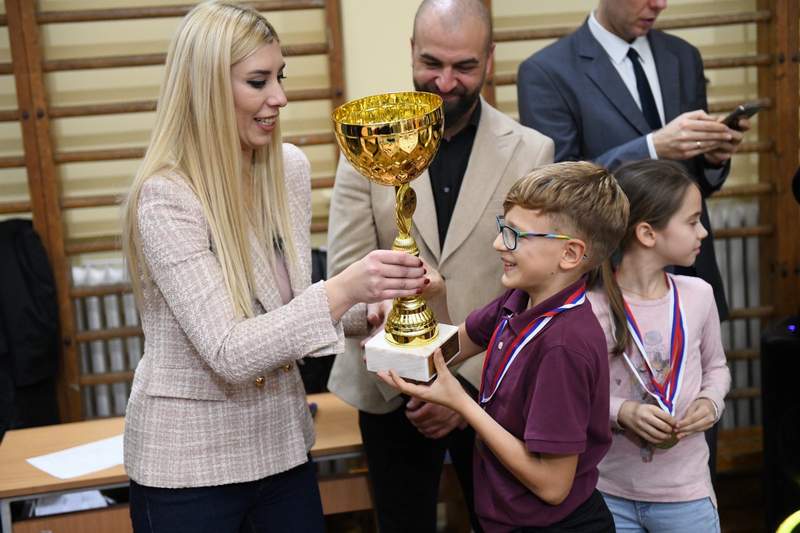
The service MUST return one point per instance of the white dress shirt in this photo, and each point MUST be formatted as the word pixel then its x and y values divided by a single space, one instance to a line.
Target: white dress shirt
pixel 617 50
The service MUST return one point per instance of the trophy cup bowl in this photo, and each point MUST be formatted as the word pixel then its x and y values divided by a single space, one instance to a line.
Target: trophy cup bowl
pixel 391 139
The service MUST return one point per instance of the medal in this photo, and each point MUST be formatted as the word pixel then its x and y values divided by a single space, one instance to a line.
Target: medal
pixel 669 443
pixel 527 334
pixel 665 393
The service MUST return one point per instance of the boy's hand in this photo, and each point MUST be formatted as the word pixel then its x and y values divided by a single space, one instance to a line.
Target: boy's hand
pixel 648 421
pixel 445 390
pixel 433 421
pixel 699 417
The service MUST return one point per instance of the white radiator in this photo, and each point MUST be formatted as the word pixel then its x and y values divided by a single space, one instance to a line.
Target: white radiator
pixel 738 260
pixel 101 356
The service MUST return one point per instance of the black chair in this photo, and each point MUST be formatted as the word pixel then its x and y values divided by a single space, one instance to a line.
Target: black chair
pixel 780 368
pixel 315 370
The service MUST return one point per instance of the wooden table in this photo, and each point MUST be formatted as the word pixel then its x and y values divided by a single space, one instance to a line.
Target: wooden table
pixel 338 437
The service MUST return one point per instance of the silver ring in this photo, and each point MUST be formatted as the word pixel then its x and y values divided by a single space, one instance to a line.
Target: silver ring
pixel 699 145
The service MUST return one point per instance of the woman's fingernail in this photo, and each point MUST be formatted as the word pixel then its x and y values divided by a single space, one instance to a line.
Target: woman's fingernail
pixel 427 281
pixel 419 291
pixel 424 271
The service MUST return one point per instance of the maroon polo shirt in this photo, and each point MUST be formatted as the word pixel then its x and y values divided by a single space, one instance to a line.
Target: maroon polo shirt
pixel 554 397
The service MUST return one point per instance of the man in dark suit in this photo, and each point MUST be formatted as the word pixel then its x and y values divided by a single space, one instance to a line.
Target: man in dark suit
pixel 616 90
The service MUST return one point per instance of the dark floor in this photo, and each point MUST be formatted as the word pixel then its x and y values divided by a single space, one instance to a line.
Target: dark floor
pixel 741 503
pixel 739 495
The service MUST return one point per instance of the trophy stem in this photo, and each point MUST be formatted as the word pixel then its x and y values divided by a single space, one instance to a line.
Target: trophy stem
pixel 411 321
pixel 405 205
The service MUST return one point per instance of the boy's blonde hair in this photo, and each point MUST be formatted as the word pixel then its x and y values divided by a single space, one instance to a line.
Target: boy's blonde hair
pixel 582 199
pixel 196 136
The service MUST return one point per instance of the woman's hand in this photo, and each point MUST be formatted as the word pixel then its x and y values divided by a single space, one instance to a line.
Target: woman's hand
pixel 380 275
pixel 699 417
pixel 648 421
pixel 435 286
pixel 445 390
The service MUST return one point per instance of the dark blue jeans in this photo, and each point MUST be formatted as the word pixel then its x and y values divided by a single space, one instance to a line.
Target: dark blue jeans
pixel 287 502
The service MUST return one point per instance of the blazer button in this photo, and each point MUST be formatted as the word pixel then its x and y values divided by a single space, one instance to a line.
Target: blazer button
pixel 260 381
pixel 287 367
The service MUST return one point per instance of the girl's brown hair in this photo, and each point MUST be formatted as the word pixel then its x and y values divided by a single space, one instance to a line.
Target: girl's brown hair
pixel 655 191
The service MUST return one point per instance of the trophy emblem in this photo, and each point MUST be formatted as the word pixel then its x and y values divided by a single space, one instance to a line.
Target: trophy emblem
pixel 391 139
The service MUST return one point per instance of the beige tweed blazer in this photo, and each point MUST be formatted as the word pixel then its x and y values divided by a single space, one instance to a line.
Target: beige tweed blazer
pixel 196 415
pixel 362 219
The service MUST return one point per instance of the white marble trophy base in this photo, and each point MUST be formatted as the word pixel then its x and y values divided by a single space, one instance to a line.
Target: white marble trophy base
pixel 416 362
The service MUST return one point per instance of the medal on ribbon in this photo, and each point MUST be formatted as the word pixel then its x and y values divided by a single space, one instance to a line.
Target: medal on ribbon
pixel 528 333
pixel 665 393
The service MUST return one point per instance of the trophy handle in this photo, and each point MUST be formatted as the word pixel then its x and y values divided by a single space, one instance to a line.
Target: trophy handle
pixel 405 205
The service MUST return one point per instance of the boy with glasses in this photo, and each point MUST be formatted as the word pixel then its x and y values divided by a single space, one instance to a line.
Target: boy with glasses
pixel 542 413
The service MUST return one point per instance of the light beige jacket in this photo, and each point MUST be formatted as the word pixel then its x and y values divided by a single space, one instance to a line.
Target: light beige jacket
pixel 196 416
pixel 362 219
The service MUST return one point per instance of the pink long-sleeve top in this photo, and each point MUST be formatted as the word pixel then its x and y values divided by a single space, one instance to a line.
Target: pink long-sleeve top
pixel 633 468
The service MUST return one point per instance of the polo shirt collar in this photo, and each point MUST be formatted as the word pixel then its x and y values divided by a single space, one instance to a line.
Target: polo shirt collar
pixel 516 306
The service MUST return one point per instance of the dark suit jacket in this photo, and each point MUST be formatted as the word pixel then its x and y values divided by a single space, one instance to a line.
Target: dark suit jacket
pixel 28 329
pixel 28 306
pixel 572 93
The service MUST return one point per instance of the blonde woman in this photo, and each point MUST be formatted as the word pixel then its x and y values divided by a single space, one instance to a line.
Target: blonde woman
pixel 216 229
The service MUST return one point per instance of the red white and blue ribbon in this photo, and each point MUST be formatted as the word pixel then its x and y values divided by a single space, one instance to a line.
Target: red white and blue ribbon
pixel 666 392
pixel 525 336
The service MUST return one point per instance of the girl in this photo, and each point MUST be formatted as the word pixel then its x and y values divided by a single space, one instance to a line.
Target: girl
pixel 668 372
pixel 217 430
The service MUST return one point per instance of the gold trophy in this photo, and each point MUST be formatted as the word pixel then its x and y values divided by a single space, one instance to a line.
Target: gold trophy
pixel 391 139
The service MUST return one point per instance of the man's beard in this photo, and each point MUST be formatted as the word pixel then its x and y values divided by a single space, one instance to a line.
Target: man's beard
pixel 455 110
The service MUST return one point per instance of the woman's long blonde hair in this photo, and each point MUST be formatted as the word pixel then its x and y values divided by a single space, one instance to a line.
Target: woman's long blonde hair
pixel 195 135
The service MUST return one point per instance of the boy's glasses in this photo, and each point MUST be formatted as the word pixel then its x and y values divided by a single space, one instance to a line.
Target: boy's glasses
pixel 512 235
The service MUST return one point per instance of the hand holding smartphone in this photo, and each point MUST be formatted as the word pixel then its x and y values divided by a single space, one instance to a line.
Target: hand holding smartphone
pixel 746 110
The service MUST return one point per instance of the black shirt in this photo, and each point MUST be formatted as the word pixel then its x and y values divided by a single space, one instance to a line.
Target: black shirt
pixel 447 171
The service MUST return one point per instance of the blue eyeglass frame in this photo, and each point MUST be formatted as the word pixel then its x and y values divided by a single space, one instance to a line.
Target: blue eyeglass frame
pixel 501 225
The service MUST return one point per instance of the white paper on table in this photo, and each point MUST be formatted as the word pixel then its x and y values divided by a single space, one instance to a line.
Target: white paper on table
pixel 70 502
pixel 81 460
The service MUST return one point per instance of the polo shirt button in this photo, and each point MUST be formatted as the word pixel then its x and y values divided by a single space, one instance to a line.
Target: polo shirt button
pixel 500 345
pixel 287 367
pixel 260 380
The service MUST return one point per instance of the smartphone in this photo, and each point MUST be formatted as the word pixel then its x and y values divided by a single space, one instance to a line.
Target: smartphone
pixel 746 110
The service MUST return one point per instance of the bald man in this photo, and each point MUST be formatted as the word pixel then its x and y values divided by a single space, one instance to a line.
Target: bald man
pixel 482 154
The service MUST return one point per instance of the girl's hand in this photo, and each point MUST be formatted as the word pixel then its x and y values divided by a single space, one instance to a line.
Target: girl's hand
pixel 445 390
pixel 699 417
pixel 648 421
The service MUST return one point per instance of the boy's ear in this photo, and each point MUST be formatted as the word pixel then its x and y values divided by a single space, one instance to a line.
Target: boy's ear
pixel 572 255
pixel 645 234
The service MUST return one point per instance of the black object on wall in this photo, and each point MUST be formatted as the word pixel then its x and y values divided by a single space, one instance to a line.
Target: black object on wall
pixel 315 370
pixel 28 329
pixel 780 371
